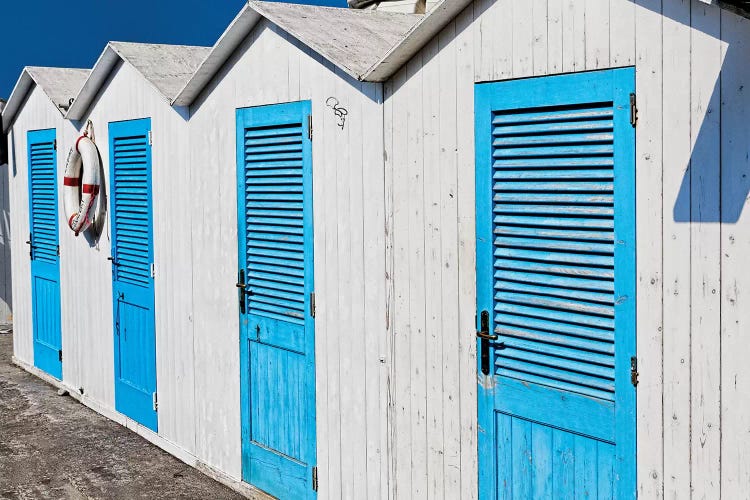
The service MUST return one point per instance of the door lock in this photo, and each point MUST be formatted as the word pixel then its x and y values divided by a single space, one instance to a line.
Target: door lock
pixel 241 290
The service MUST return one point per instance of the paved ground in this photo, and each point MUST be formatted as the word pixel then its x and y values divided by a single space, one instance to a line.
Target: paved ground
pixel 52 447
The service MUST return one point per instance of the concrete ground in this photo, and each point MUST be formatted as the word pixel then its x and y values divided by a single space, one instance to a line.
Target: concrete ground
pixel 52 447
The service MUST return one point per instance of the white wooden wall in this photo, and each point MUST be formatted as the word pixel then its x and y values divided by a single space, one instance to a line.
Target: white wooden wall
pixel 6 292
pixel 692 165
pixel 348 185
pixel 38 113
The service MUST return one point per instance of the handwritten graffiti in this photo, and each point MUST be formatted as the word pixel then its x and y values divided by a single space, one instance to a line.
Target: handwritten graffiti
pixel 340 111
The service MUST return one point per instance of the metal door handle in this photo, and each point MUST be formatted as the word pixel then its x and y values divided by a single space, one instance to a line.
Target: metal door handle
pixel 486 336
pixel 241 290
pixel 112 260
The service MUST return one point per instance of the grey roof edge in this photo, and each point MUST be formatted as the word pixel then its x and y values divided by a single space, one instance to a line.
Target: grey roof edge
pixel 26 81
pixel 239 29
pixel 236 32
pixel 416 39
pixel 101 72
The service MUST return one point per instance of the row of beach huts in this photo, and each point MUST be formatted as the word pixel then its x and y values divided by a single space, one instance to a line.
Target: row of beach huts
pixel 497 250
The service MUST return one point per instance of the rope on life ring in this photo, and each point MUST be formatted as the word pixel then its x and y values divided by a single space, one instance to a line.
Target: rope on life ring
pixel 82 180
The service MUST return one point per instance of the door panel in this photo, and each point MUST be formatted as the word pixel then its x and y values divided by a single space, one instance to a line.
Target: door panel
pixel 277 330
pixel 133 283
pixel 555 286
pixel 44 252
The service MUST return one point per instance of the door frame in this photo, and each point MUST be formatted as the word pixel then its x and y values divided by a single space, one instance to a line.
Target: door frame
pixel 541 91
pixel 302 111
pixel 148 420
pixel 41 360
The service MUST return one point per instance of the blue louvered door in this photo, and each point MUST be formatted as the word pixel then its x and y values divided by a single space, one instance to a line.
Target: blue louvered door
pixel 556 286
pixel 274 158
pixel 132 276
pixel 44 251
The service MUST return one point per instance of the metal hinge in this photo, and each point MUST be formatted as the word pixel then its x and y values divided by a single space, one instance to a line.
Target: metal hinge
pixel 153 270
pixel 58 250
pixel 59 354
pixel 54 144
pixel 309 127
pixel 315 478
pixel 312 304
pixel 634 371
pixel 155 400
pixel 633 110
pixel 150 138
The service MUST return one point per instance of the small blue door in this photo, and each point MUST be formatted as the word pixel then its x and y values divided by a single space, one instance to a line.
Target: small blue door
pixel 44 252
pixel 132 271
pixel 555 194
pixel 274 160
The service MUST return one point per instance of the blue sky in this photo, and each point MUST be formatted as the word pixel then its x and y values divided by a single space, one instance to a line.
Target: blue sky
pixel 73 34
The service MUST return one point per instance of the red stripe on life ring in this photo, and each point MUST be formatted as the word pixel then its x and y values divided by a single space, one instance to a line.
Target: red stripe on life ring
pixel 79 140
pixel 90 189
pixel 71 181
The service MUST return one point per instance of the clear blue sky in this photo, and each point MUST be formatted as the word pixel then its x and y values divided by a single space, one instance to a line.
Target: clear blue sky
pixel 73 34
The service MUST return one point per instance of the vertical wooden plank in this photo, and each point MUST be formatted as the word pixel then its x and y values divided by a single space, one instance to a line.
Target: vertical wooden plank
pixel 541 451
pixel 327 122
pixel 649 325
pixel 523 38
pixel 586 467
pixel 540 42
pixel 622 32
pixel 400 431
pixel 554 36
pixel 574 36
pixel 376 329
pixel 388 392
pixel 434 335
pixel 523 460
pixel 705 192
pixel 735 247
pixel 417 278
pixel 466 301
pixel 351 291
pixel 676 262
pixel 597 34
pixel 448 174
pixel 563 464
pixel 505 462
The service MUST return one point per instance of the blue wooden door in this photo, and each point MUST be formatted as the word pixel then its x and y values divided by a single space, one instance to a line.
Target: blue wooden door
pixel 556 286
pixel 44 251
pixel 274 158
pixel 132 271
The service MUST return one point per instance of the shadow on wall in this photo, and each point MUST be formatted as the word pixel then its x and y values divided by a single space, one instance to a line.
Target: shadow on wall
pixel 716 183
pixel 6 298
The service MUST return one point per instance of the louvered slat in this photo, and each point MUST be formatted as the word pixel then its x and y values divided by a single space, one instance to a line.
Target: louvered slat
pixel 274 217
pixel 43 201
pixel 553 205
pixel 131 211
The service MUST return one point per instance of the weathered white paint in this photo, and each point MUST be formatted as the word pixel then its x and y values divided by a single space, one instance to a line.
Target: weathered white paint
pixel 271 67
pixel 6 292
pixel 692 103
pixel 395 250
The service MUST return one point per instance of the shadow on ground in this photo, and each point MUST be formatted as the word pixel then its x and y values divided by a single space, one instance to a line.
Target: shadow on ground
pixel 52 447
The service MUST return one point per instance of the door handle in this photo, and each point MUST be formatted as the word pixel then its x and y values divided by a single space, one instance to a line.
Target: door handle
pixel 112 260
pixel 31 246
pixel 241 290
pixel 485 338
pixel 484 331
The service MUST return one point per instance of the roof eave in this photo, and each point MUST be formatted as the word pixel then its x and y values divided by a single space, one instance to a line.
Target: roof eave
pixel 13 105
pixel 415 40
pixel 232 37
pixel 93 84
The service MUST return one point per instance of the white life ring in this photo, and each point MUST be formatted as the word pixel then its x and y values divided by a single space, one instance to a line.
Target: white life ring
pixel 79 195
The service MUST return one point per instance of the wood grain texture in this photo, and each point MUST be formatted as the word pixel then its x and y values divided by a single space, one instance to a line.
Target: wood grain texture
pixel 677 148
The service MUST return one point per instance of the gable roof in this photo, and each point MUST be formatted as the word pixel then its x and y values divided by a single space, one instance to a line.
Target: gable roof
pixel 165 67
pixel 58 84
pixel 354 40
